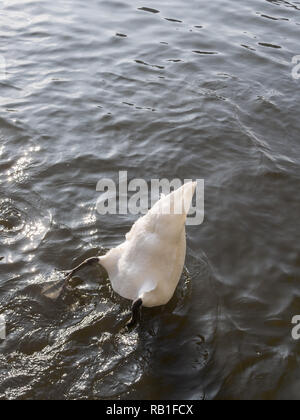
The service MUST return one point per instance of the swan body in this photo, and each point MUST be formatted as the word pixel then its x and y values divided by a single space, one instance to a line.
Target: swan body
pixel 149 264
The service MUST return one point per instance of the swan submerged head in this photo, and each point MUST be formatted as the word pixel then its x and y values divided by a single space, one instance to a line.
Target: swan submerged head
pixel 147 266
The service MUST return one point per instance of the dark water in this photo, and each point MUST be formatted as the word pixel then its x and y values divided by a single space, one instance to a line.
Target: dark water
pixel 161 89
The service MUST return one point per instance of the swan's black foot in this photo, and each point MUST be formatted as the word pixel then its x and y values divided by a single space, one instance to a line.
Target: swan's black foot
pixel 136 314
pixel 75 282
pixel 69 282
pixel 89 261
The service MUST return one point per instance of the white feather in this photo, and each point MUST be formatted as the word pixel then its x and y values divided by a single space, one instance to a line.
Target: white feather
pixel 149 264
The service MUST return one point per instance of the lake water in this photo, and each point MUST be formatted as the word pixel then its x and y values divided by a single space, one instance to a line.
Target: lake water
pixel 161 89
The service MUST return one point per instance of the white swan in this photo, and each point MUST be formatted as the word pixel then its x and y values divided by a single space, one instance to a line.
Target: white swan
pixel 147 267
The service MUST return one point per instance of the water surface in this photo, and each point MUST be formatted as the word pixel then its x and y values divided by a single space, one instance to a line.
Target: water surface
pixel 160 89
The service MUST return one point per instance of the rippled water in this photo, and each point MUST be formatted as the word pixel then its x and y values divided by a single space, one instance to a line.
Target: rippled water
pixel 162 89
